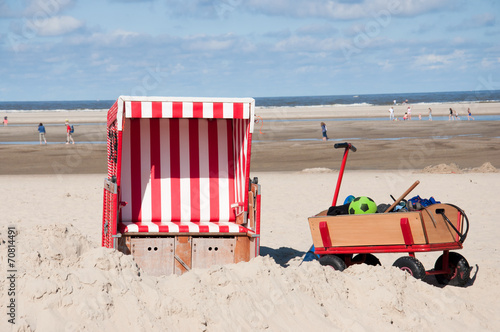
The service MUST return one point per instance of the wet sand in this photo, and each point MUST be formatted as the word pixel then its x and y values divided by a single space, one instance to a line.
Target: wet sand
pixel 284 139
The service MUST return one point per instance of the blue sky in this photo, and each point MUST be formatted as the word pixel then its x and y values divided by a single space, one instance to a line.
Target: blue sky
pixel 78 50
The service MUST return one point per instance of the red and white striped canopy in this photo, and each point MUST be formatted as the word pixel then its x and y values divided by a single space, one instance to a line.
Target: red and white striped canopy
pixel 184 107
pixel 183 160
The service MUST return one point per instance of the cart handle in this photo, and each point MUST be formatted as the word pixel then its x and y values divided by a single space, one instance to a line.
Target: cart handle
pixel 345 145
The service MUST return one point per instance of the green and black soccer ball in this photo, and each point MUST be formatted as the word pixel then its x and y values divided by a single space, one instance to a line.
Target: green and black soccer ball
pixel 362 205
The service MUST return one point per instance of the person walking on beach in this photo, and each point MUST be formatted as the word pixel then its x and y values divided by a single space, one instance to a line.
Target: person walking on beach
pixel 69 133
pixel 409 113
pixel 5 121
pixel 323 130
pixel 450 117
pixel 41 133
pixel 391 114
pixel 430 114
pixel 469 115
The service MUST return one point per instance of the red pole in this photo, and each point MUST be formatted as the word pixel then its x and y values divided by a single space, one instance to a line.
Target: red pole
pixel 341 174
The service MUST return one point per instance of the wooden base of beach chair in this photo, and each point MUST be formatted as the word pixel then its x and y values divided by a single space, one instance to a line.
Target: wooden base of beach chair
pixel 167 255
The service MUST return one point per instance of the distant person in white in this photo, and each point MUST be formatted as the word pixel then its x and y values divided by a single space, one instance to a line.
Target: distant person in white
pixel 391 114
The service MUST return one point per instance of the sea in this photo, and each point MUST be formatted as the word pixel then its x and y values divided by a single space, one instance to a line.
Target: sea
pixel 479 96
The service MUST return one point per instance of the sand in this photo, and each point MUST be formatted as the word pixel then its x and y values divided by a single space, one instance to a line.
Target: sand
pixel 67 282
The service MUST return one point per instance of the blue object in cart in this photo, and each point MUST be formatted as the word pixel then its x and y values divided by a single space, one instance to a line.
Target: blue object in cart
pixel 349 199
pixel 310 255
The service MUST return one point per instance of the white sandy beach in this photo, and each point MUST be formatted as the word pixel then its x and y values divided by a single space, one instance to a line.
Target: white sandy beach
pixel 67 282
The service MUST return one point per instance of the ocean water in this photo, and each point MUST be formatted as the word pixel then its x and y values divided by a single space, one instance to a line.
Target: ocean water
pixel 340 100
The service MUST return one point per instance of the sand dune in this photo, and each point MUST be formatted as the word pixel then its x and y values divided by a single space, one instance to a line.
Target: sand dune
pixel 67 282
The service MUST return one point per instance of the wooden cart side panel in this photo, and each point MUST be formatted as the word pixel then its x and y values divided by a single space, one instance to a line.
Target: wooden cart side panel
pixel 322 213
pixel 367 230
pixel 441 232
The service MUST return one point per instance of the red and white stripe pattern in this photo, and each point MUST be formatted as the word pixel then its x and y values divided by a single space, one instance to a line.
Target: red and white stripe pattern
pixel 186 109
pixel 182 227
pixel 170 107
pixel 184 170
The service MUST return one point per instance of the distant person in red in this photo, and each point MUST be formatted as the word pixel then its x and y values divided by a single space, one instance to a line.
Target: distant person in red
pixel 69 133
pixel 5 121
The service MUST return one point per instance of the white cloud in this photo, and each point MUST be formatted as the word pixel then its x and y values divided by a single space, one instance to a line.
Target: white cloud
pixel 345 10
pixel 110 68
pixel 330 9
pixel 317 29
pixel 437 61
pixel 33 9
pixel 45 8
pixel 123 34
pixel 385 65
pixel 119 38
pixel 206 43
pixel 57 25
pixel 489 63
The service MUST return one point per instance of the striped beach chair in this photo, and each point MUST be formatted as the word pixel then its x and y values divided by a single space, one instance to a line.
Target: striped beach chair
pixel 178 194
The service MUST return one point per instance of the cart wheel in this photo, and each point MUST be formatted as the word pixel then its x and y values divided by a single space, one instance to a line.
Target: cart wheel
pixel 411 265
pixel 368 260
pixel 460 270
pixel 334 261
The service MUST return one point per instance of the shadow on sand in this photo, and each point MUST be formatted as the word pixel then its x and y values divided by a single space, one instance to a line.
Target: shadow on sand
pixel 281 255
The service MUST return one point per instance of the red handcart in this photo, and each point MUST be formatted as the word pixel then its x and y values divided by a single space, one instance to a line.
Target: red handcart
pixel 178 193
pixel 343 240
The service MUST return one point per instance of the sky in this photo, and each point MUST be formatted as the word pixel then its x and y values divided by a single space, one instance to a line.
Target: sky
pixel 99 50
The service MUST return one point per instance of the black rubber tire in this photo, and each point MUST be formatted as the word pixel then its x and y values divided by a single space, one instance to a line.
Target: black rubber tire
pixel 460 270
pixel 411 265
pixel 334 261
pixel 368 260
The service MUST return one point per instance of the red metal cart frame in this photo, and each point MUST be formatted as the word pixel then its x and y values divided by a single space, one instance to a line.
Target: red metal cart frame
pixel 438 227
